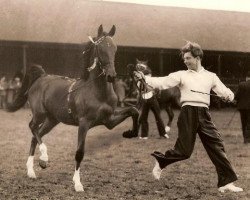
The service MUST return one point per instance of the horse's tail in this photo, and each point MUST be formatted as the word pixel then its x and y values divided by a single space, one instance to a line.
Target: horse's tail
pixel 33 73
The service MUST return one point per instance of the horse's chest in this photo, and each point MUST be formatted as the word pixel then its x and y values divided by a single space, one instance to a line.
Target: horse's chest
pixel 96 109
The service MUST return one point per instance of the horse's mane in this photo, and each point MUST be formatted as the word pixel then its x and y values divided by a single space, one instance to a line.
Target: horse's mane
pixel 87 60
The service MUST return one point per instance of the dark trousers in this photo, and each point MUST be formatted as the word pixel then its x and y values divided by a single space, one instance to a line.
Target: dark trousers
pixel 193 120
pixel 245 122
pixel 151 104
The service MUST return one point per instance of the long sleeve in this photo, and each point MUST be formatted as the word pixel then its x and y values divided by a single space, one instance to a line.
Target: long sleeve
pixel 220 89
pixel 165 82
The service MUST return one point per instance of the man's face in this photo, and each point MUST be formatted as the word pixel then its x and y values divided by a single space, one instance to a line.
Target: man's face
pixel 190 61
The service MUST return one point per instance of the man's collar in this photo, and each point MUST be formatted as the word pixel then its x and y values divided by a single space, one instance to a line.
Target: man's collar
pixel 201 70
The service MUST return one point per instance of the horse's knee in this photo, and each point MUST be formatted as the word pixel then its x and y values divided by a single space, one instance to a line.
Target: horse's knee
pixel 33 127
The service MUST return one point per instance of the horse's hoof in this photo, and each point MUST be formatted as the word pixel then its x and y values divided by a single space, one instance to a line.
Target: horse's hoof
pixel 31 175
pixel 79 188
pixel 43 164
pixel 129 134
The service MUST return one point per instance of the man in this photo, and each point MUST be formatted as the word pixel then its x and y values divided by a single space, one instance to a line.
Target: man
pixel 195 117
pixel 243 105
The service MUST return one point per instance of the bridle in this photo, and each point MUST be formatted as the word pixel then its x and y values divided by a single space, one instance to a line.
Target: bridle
pixel 97 62
pixel 97 58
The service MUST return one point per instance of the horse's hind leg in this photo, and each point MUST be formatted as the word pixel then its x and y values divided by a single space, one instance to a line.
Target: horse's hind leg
pixel 170 113
pixel 38 133
pixel 82 132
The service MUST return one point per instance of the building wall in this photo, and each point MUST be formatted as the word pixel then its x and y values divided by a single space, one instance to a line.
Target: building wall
pixel 66 60
pixel 62 60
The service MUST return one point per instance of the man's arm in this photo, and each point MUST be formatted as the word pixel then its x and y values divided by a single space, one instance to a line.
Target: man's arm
pixel 221 90
pixel 165 82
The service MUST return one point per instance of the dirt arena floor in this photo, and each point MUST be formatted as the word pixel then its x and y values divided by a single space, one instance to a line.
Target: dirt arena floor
pixel 114 167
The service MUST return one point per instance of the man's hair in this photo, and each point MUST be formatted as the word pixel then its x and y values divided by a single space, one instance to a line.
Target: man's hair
pixel 193 48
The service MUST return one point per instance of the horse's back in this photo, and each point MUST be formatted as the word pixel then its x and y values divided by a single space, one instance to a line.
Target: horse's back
pixel 49 94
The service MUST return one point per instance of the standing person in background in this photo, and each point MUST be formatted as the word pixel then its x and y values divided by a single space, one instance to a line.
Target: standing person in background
pixel 242 97
pixel 195 117
pixel 150 102
pixel 3 92
pixel 17 84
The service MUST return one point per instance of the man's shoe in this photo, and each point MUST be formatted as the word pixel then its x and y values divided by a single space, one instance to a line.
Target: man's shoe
pixel 143 138
pixel 164 135
pixel 160 158
pixel 230 187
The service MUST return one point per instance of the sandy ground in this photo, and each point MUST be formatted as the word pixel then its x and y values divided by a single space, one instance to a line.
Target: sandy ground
pixel 114 167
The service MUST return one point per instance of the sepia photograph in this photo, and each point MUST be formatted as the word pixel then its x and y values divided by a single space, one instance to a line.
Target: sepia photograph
pixel 125 100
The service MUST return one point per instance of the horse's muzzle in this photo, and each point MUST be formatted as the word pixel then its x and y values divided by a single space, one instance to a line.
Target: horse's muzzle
pixel 110 79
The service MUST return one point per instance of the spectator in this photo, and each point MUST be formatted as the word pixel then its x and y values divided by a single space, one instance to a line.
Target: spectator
pixel 3 92
pixel 16 85
pixel 150 102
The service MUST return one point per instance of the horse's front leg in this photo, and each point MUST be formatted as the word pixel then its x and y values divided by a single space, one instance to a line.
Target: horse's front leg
pixel 120 115
pixel 82 132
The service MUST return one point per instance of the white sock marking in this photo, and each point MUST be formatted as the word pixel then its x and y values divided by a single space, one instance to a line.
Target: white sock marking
pixel 76 179
pixel 43 150
pixel 167 129
pixel 30 169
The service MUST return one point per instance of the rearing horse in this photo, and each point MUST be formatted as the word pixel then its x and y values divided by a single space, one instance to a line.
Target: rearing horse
pixel 85 102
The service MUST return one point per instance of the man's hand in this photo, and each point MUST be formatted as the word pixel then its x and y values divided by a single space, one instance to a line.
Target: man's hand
pixel 138 75
pixel 228 99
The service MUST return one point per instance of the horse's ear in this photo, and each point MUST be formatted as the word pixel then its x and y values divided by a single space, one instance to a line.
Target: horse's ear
pixel 112 31
pixel 100 31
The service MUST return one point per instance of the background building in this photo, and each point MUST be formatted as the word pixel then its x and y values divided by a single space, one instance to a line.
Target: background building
pixel 53 32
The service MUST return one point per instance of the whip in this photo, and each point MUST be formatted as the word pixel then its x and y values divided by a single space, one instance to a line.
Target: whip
pixel 205 93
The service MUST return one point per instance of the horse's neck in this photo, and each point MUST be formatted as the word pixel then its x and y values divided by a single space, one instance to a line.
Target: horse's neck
pixel 100 83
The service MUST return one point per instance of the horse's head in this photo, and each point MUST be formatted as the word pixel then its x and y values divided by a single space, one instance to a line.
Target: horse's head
pixel 103 51
pixel 143 66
